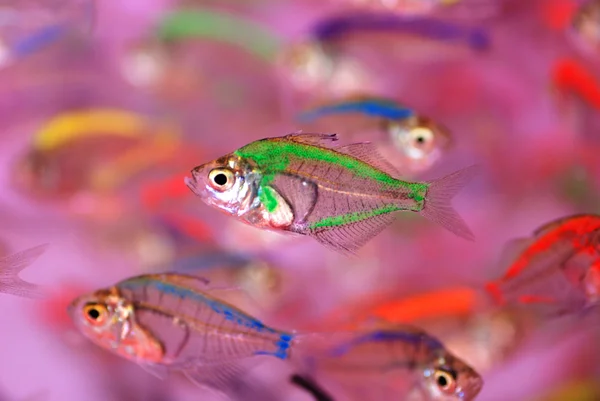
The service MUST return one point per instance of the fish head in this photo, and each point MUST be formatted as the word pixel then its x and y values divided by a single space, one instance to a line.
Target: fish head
pixel 229 184
pixel 420 140
pixel 103 316
pixel 449 378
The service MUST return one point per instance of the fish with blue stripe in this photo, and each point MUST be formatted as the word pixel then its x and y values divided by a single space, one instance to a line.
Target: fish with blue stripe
pixel 394 362
pixel 175 322
pixel 412 142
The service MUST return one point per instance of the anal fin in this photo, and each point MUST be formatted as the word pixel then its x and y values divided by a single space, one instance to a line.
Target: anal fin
pixel 348 238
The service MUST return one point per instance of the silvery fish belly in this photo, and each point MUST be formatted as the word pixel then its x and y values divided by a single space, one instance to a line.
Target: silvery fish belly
pixel 341 196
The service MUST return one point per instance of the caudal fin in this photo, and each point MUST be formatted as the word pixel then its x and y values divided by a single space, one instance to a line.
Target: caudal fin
pixel 439 195
pixel 11 266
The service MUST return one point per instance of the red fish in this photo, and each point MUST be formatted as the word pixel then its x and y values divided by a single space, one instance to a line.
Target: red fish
pixel 558 266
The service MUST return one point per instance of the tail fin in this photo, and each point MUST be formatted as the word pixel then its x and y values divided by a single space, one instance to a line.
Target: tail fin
pixel 11 266
pixel 437 201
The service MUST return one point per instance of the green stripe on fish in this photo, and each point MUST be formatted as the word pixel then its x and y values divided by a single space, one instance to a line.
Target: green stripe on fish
pixel 274 156
pixel 336 221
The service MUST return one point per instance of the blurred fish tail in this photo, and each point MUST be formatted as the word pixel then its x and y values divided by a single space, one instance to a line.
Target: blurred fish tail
pixel 11 266
pixel 437 206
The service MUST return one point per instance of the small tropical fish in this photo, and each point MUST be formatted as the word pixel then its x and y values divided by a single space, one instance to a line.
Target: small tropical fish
pixel 221 27
pixel 11 266
pixel 341 196
pixel 393 362
pixel 558 266
pixel 96 149
pixel 175 322
pixel 418 139
pixel 334 28
pixel 66 127
pixel 33 43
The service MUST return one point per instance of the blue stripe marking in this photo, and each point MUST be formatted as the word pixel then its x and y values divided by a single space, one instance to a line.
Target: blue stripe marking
pixel 283 346
pixel 335 27
pixel 229 313
pixel 387 336
pixel 38 40
pixel 372 108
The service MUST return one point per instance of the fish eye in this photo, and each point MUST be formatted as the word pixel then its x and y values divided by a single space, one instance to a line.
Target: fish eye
pixel 421 136
pixel 445 380
pixel 95 314
pixel 221 179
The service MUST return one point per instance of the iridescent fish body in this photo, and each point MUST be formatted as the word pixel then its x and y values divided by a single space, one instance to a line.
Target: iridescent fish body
pixel 341 196
pixel 175 322
pixel 558 267
pixel 11 266
pixel 393 362
pixel 418 142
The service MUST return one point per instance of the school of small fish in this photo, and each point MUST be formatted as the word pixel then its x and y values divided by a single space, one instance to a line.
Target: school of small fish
pixel 127 127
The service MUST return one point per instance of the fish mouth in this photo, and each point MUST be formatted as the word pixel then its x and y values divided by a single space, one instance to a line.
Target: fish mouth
pixel 192 184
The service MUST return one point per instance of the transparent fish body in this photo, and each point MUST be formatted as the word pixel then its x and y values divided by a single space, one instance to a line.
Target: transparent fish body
pixel 395 362
pixel 172 321
pixel 417 141
pixel 341 196
pixel 27 28
pixel 557 267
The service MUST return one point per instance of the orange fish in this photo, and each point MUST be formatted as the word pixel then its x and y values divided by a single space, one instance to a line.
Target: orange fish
pixel 559 266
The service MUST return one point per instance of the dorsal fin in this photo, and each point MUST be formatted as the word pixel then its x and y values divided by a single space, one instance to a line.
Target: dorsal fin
pixel 196 282
pixel 324 140
pixel 368 153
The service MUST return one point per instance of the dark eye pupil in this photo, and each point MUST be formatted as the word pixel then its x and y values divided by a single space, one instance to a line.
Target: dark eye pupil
pixel 94 313
pixel 420 139
pixel 220 179
pixel 442 381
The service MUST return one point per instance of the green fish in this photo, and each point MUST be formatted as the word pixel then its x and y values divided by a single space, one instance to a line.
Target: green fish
pixel 340 195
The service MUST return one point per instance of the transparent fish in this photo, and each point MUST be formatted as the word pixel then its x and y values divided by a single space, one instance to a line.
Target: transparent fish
pixel 417 141
pixel 11 266
pixel 395 362
pixel 341 196
pixel 558 267
pixel 96 148
pixel 173 322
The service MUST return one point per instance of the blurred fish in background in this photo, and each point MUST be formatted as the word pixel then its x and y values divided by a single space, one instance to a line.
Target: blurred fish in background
pixel 106 107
